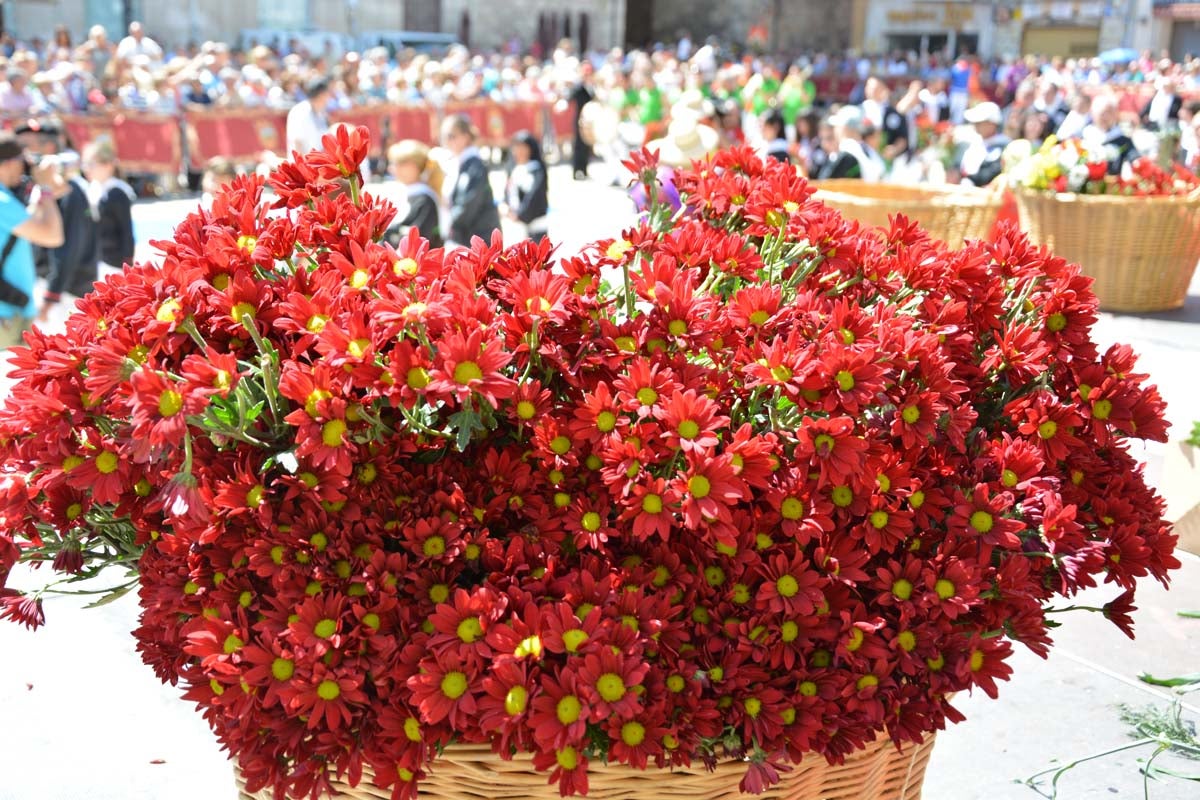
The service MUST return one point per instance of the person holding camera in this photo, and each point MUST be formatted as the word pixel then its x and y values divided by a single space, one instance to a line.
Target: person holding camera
pixel 21 227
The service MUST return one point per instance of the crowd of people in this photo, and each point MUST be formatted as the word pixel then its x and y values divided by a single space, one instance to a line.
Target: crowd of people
pixel 908 118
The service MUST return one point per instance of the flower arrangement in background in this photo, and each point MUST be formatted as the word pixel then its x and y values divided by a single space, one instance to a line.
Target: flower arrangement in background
pixel 1073 166
pixel 747 482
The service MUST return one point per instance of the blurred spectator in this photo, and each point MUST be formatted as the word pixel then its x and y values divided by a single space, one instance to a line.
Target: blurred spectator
pixel 308 120
pixel 137 43
pixel 111 201
pixel 527 198
pixel 472 205
pixel 981 163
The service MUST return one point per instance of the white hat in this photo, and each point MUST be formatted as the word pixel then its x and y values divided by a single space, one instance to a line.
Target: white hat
pixel 686 140
pixel 984 112
pixel 848 117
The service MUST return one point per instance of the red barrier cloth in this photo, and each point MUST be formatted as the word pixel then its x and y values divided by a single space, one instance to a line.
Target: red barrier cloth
pixel 236 134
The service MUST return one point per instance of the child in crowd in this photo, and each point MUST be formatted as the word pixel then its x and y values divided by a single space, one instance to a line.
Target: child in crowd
pixel 774 135
pixel 111 200
pixel 410 164
pixel 527 193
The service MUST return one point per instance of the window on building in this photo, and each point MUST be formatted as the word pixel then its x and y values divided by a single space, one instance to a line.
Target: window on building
pixel 114 15
pixel 288 15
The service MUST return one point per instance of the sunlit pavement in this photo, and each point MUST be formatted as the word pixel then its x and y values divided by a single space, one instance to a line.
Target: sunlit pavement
pixel 85 720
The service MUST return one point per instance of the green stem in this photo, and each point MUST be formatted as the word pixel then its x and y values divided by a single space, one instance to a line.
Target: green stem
pixel 1060 771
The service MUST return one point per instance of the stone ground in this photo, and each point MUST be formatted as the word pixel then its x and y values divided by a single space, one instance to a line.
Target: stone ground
pixel 85 720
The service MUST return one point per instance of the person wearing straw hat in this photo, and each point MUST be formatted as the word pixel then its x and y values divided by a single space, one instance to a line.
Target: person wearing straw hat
pixel 686 140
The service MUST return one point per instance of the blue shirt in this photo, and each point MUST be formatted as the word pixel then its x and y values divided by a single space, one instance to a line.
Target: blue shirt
pixel 18 269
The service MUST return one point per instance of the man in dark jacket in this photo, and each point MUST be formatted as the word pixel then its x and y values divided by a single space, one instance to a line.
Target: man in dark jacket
pixel 472 205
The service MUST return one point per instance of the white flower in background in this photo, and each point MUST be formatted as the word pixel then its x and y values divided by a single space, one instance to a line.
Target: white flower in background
pixel 1077 177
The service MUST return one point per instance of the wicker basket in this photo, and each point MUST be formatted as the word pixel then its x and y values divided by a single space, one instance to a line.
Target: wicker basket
pixel 474 772
pixel 1142 251
pixel 950 213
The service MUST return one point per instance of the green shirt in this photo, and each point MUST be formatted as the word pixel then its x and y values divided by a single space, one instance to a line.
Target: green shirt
pixel 650 107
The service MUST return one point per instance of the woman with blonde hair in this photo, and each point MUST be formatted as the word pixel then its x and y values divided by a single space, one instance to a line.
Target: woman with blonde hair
pixel 410 164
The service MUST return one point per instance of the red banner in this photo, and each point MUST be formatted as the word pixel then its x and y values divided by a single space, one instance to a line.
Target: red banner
pixel 148 143
pixel 391 123
pixel 142 142
pixel 236 134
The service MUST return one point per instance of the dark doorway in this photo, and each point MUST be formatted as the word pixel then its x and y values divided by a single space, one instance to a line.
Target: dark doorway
pixel 423 15
pixel 639 23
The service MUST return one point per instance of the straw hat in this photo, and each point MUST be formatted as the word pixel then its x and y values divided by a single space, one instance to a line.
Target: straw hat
pixel 686 140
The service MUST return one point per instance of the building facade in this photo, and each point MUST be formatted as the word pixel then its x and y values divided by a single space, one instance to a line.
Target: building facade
pixel 1177 27
pixel 999 28
pixel 489 23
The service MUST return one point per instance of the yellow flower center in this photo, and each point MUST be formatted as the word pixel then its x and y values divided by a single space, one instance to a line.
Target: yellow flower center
pixel 856 639
pixel 574 639
pixel 412 728
pixel 328 690
pixel 283 669
pixel 325 628
pixel 902 588
pixel 976 660
pixel 433 546
pixel 982 521
pixel 879 519
pixel 332 432
pixel 611 687
pixel 647 396
pixel 516 700
pixel 845 380
pixel 170 403
pixel 808 689
pixel 789 631
pixel 454 685
pixel 907 641
pixel 240 310
pixel 220 281
pixel 617 250
pixel 417 378
pixel 787 586
pixel 910 414
pixel 568 709
pixel 945 589
pixel 560 444
pixel 590 522
pixel 469 630
pixel 699 486
pixel 866 681
pixel 526 409
pixel 107 463
pixel 567 758
pixel 677 327
pixel 606 421
pixel 652 504
pixel 316 323
pixel 688 429
pixel 467 371
pixel 359 278
pixel 791 508
pixel 168 311
pixel 1102 409
pixel 753 707
pixel 358 347
pixel 405 267
pixel 633 733
pixel 759 317
pixel 529 646
pixel 1047 429
pixel 842 496
pixel 1056 322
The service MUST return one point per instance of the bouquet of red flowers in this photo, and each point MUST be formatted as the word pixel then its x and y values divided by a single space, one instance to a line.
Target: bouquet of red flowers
pixel 748 482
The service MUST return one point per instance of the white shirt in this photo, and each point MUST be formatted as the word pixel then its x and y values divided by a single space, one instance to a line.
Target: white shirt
pixel 305 127
pixel 131 47
pixel 871 164
pixel 1160 108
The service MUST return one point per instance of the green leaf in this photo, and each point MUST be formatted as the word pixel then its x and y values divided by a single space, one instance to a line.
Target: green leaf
pixel 1182 680
pixel 465 423
pixel 115 594
pixel 1156 771
pixel 254 411
pixel 1189 614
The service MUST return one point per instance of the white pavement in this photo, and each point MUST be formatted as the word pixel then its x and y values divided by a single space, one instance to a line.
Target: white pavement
pixel 84 719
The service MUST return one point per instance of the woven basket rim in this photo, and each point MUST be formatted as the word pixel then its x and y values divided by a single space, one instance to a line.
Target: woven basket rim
pixel 923 196
pixel 1192 199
